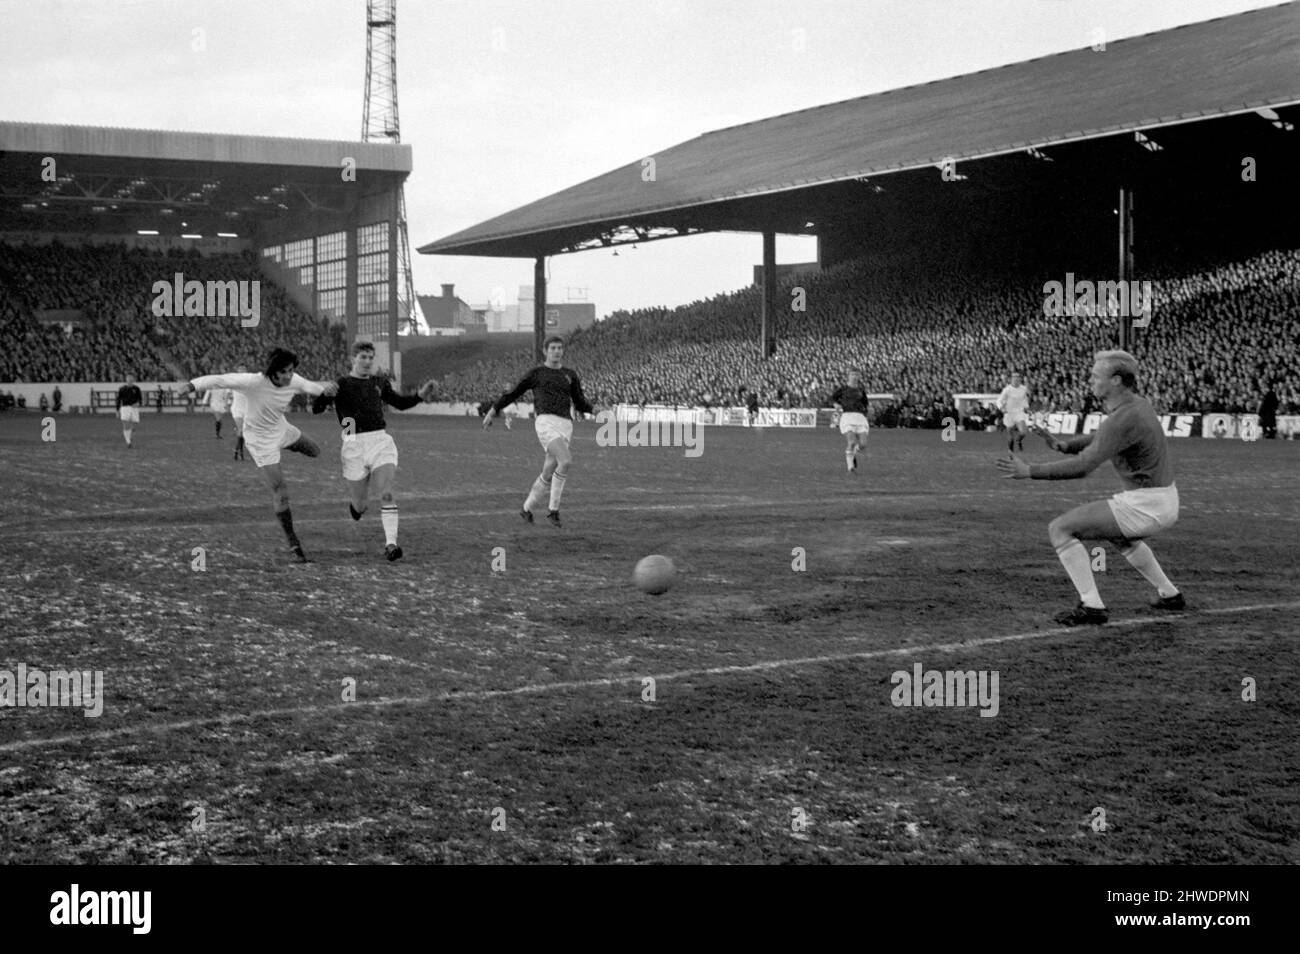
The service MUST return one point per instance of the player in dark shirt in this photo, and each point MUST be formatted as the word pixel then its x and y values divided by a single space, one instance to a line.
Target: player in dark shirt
pixel 852 402
pixel 129 400
pixel 368 450
pixel 556 392
pixel 1132 439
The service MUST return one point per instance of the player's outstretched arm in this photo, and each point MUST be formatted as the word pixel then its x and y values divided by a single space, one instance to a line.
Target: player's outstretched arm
pixel 1013 468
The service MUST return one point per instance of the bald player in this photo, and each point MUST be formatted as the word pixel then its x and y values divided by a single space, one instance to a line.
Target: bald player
pixel 1132 439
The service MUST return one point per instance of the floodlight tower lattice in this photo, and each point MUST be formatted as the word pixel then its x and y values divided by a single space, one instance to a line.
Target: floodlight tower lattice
pixel 380 123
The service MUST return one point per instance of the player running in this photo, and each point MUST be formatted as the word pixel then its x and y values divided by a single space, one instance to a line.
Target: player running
pixel 556 391
pixel 219 402
pixel 238 411
pixel 368 450
pixel 1013 402
pixel 852 402
pixel 129 400
pixel 1132 439
pixel 266 432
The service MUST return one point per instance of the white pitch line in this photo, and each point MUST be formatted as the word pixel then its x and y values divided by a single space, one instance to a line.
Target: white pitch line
pixel 635 680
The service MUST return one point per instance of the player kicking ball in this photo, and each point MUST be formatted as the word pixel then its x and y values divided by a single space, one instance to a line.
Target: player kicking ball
pixel 369 453
pixel 1013 402
pixel 266 432
pixel 852 402
pixel 556 392
pixel 1130 438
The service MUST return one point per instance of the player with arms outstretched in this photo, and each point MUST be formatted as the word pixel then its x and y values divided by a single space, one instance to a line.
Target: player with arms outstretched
pixel 129 400
pixel 1132 439
pixel 556 392
pixel 852 402
pixel 1013 402
pixel 368 452
pixel 266 432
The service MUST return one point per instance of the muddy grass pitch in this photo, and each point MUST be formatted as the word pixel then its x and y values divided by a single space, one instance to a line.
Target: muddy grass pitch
pixel 505 694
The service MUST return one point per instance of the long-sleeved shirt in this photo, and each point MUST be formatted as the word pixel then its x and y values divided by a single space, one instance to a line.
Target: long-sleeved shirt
pixel 850 400
pixel 1131 438
pixel 363 400
pixel 555 391
pixel 264 415
pixel 128 395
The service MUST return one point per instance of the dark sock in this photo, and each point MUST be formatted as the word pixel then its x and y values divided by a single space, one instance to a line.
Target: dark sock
pixel 285 517
pixel 356 514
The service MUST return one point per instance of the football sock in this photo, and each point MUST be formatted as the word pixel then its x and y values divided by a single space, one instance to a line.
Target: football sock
pixel 127 434
pixel 218 423
pixel 541 487
pixel 849 458
pixel 356 514
pixel 285 517
pixel 388 517
pixel 1074 557
pixel 1141 558
pixel 557 488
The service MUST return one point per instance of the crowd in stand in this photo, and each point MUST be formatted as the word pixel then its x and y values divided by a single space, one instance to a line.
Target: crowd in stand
pixel 117 332
pixel 1218 335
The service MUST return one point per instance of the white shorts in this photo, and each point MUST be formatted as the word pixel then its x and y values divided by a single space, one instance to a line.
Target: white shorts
pixel 217 411
pixel 1013 418
pixel 362 453
pixel 551 426
pixel 853 421
pixel 265 450
pixel 1143 512
pixel 129 414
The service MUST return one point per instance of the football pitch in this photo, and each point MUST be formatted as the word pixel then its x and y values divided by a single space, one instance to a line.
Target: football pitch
pixel 504 694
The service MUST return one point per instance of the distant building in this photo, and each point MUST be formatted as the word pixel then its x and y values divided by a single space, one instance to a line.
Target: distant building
pixel 448 311
pixel 561 317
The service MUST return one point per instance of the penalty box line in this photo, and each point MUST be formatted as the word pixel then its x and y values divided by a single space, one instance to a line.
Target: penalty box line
pixel 475 695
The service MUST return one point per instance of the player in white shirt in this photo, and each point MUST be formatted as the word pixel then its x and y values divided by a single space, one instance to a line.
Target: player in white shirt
pixel 1014 404
pixel 238 411
pixel 219 403
pixel 266 432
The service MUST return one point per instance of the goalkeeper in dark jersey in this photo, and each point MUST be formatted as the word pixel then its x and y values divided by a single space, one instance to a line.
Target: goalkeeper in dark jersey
pixel 556 391
pixel 368 451
pixel 852 402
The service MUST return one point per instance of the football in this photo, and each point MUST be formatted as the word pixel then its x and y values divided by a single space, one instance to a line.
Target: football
pixel 654 574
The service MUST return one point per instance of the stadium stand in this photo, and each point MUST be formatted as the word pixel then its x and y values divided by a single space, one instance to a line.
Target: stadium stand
pixel 926 333
pixel 118 334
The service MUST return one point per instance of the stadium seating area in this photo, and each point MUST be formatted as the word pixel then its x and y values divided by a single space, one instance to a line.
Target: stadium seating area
pixel 925 334
pixel 113 288
pixel 921 332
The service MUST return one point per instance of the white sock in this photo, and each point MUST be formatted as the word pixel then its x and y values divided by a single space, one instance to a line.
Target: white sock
pixel 541 487
pixel 127 435
pixel 557 487
pixel 388 517
pixel 1141 558
pixel 1074 557
pixel 848 459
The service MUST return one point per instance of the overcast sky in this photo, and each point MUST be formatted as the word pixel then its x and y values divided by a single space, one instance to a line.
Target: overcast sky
pixel 506 101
